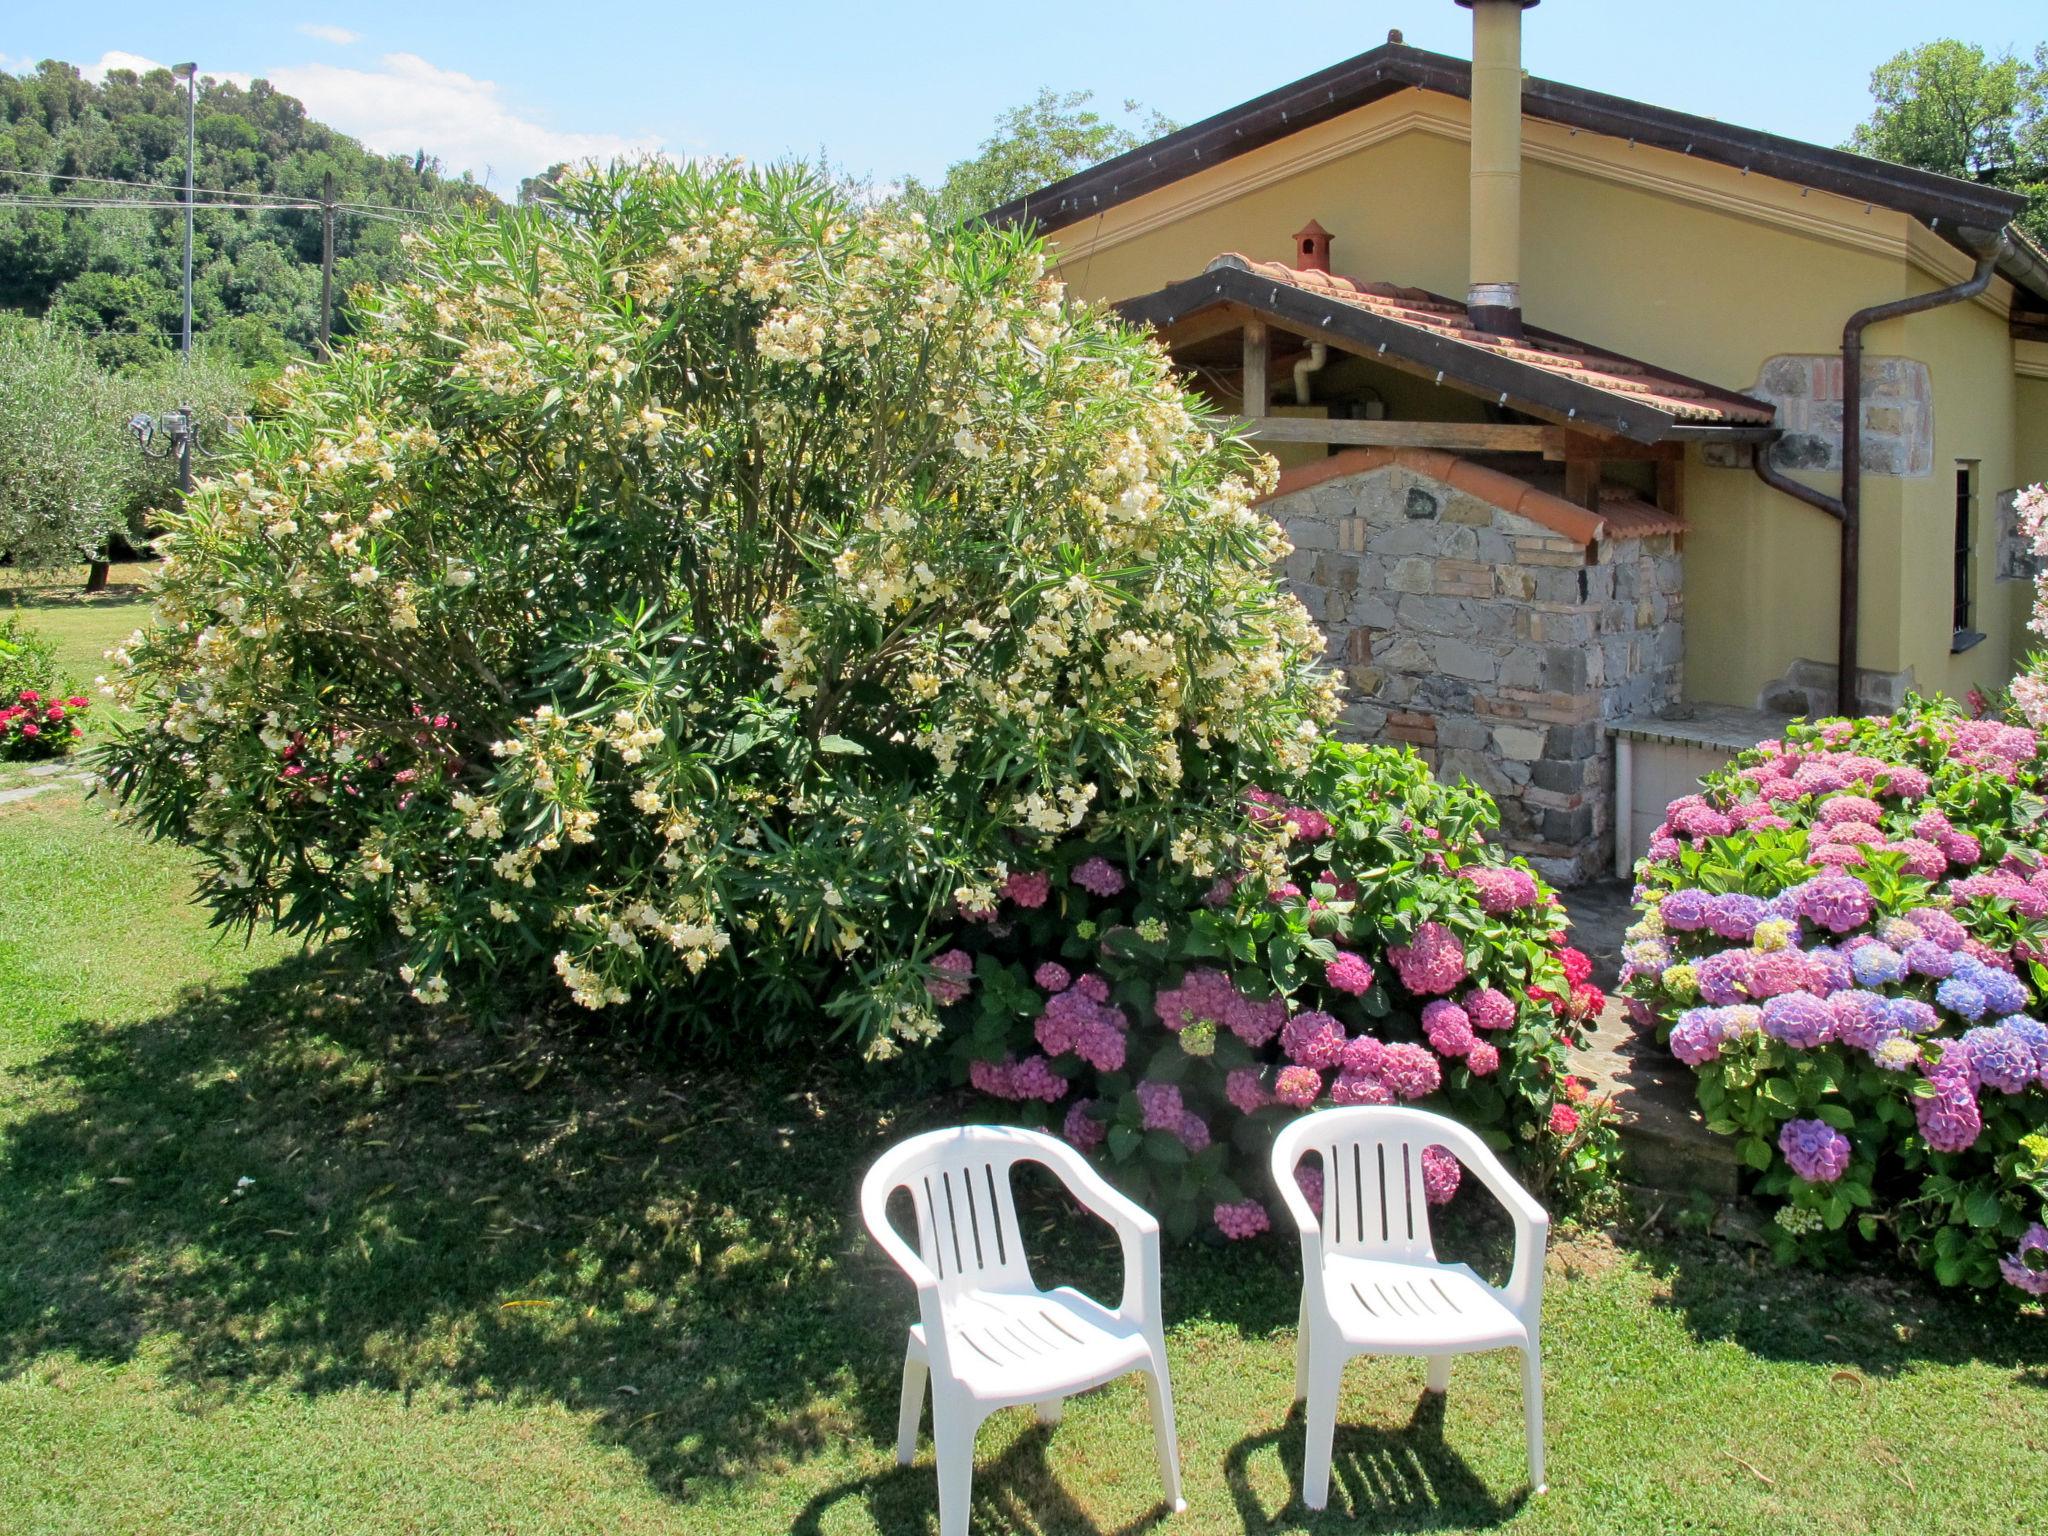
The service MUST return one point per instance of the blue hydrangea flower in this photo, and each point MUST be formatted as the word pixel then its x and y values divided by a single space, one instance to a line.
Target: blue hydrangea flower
pixel 1862 1019
pixel 1959 997
pixel 2035 1033
pixel 1878 965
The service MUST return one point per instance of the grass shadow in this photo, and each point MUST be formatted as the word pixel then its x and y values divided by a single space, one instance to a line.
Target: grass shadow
pixel 306 1180
pixel 1018 1491
pixel 1399 1478
pixel 1876 1321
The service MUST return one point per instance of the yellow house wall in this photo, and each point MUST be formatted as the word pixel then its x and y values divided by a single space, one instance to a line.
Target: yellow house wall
pixel 1696 268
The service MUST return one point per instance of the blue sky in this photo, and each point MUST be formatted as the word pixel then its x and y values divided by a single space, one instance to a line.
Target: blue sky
pixel 889 89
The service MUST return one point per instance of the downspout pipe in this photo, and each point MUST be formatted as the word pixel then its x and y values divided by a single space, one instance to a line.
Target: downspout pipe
pixel 1847 509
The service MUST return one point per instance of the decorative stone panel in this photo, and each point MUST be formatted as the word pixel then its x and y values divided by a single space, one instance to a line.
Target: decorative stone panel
pixel 1806 388
pixel 2016 558
pixel 1491 644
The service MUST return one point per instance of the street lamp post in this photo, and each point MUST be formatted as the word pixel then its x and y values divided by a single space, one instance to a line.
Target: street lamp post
pixel 190 73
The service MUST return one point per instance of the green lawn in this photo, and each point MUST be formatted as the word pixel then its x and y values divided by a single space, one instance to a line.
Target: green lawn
pixel 500 1276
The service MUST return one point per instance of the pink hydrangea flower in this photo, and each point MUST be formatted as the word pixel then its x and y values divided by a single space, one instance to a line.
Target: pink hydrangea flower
pixel 1313 1039
pixel 1193 1131
pixel 1349 973
pixel 1246 1089
pixel 955 978
pixel 1052 977
pixel 1082 1128
pixel 1029 890
pixel 1363 1055
pixel 1483 1058
pixel 1501 890
pixel 1241 1219
pixel 1410 1070
pixel 1432 962
pixel 1031 1078
pixel 1441 1175
pixel 1360 1088
pixel 1564 1120
pixel 1093 987
pixel 1489 1008
pixel 1448 1028
pixel 1298 1087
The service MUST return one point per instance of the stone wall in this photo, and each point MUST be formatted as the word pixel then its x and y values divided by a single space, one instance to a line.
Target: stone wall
pixel 1496 644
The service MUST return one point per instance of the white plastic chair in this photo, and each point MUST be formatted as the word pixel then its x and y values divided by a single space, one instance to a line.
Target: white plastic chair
pixel 987 1337
pixel 1371 1282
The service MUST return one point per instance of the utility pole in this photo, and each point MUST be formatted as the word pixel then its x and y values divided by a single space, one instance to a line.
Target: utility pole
pixel 326 263
pixel 191 74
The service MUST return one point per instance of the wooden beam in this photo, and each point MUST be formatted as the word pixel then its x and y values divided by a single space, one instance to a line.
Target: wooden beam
pixel 1257 352
pixel 1458 436
pixel 1584 445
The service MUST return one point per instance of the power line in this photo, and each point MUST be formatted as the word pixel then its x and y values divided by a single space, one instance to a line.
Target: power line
pixel 282 199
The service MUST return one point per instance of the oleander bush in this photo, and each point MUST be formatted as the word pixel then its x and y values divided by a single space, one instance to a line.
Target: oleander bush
pixel 1372 949
pixel 41 713
pixel 1844 935
pixel 684 596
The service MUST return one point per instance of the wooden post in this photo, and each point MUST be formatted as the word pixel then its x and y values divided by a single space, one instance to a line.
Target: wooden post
pixel 326 262
pixel 1582 483
pixel 1257 350
pixel 1671 486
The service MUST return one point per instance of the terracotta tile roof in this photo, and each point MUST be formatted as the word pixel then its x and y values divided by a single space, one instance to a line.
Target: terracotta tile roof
pixel 1622 514
pixel 1555 355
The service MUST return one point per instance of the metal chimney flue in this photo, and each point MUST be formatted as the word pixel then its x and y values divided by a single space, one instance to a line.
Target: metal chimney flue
pixel 1494 294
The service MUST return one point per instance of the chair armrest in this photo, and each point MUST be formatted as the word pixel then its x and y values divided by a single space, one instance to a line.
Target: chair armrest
pixel 1137 1229
pixel 1524 1290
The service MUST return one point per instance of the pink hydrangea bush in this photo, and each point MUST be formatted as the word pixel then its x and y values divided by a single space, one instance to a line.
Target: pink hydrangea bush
pixel 1843 934
pixel 1373 949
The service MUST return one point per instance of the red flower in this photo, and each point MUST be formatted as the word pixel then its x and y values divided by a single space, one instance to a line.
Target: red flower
pixel 30 696
pixel 76 701
pixel 1577 967
pixel 54 712
pixel 1564 1120
pixel 31 730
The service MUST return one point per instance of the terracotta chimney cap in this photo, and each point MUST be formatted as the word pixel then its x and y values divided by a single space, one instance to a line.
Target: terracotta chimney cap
pixel 1312 248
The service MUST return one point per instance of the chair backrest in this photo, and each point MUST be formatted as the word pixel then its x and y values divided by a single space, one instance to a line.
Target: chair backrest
pixel 959 1184
pixel 1371 1157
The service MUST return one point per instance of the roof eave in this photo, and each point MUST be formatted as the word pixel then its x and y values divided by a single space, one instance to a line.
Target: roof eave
pixel 1477 369
pixel 1937 199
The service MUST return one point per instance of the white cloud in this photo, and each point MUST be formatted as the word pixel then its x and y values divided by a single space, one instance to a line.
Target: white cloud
pixel 407 103
pixel 114 59
pixel 340 36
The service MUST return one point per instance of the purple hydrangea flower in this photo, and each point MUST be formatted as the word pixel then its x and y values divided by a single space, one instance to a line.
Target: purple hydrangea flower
pixel 1240 1219
pixel 1798 1019
pixel 1723 977
pixel 1097 874
pixel 1082 1128
pixel 1734 916
pixel 1817 1151
pixel 1949 1122
pixel 2003 992
pixel 2000 1057
pixel 2027 1265
pixel 1685 910
pixel 1924 957
pixel 1696 1037
pixel 1913 1016
pixel 1837 902
pixel 2035 1034
pixel 1939 926
pixel 1879 965
pixel 1862 1019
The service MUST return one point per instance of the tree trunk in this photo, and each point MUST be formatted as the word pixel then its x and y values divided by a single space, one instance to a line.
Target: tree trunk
pixel 96 576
